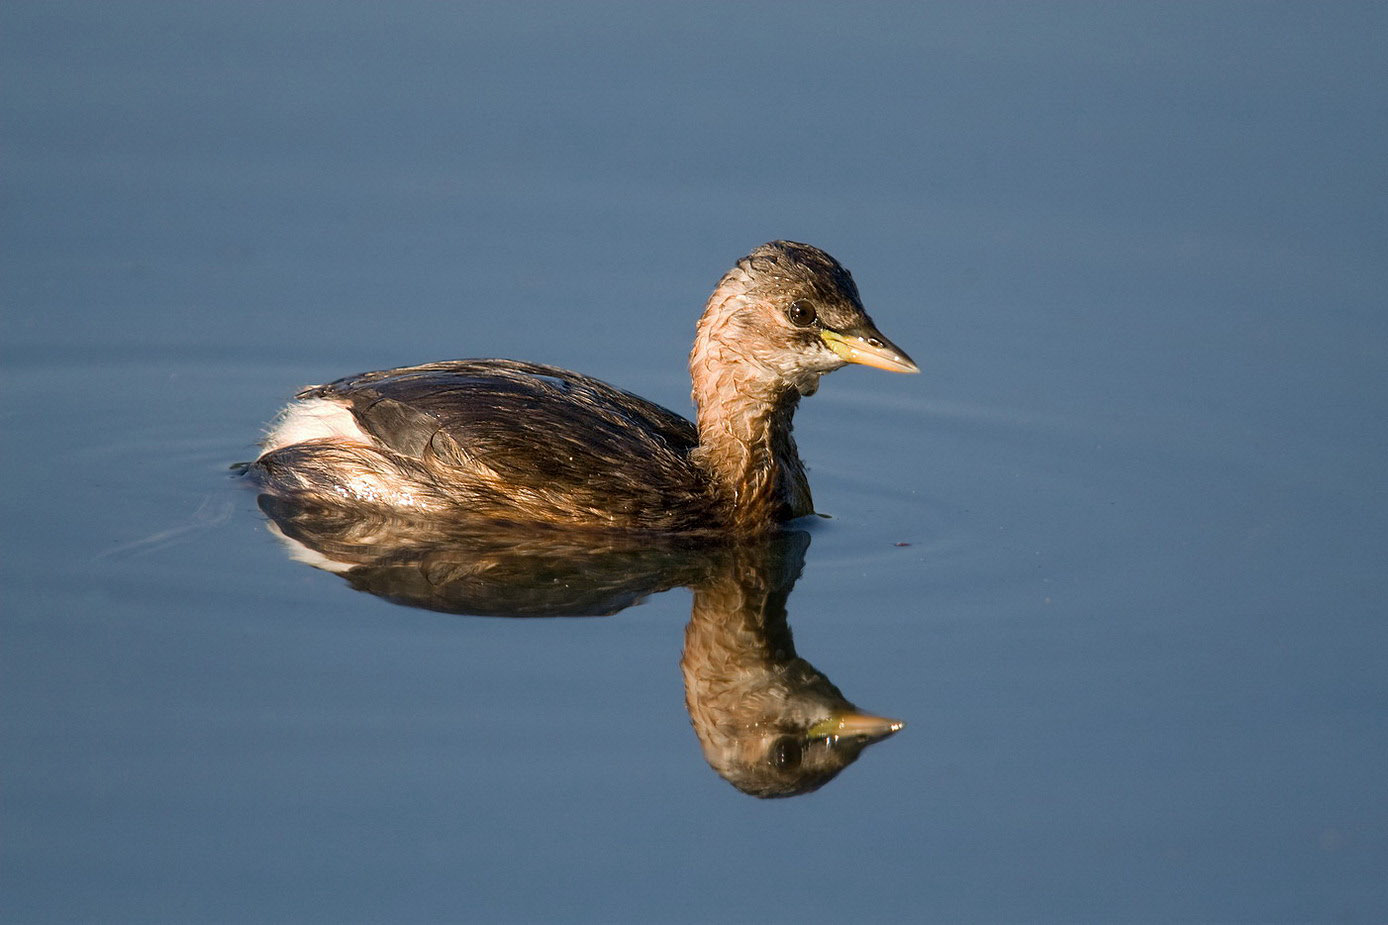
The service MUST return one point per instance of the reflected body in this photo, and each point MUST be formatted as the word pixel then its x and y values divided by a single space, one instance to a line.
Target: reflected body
pixel 452 566
pixel 503 441
pixel 768 722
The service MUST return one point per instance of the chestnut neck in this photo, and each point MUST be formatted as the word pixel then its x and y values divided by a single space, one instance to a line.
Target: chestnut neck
pixel 745 442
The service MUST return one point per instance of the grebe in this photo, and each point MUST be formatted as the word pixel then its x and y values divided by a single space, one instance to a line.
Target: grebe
pixel 505 441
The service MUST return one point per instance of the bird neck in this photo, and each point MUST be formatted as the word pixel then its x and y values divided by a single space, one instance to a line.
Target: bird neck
pixel 745 442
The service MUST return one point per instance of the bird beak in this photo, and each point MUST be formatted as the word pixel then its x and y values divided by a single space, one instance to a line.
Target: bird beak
pixel 850 723
pixel 870 349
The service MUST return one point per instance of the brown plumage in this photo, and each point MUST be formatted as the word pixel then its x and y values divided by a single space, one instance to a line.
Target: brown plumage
pixel 512 442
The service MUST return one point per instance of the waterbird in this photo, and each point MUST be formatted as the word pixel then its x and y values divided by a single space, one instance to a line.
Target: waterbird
pixel 506 441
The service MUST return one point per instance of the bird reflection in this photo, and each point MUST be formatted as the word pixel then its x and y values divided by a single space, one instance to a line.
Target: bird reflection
pixel 436 564
pixel 768 722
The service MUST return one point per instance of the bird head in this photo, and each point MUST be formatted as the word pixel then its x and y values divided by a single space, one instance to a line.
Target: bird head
pixel 789 313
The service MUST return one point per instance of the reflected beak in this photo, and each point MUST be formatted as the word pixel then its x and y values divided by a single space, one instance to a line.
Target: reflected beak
pixel 854 724
pixel 870 349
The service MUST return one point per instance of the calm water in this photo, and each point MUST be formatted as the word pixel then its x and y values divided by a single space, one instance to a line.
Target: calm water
pixel 1117 556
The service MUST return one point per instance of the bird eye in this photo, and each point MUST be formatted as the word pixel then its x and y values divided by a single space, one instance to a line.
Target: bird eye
pixel 801 313
pixel 785 754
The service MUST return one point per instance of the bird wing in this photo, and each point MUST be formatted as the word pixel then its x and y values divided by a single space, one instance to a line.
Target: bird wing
pixel 549 434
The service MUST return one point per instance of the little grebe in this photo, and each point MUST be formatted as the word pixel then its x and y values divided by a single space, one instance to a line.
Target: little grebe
pixel 512 442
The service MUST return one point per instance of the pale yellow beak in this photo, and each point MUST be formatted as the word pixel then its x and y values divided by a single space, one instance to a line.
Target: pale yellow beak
pixel 854 724
pixel 871 349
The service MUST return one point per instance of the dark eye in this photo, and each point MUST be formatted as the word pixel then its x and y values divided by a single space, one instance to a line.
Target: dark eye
pixel 801 313
pixel 785 754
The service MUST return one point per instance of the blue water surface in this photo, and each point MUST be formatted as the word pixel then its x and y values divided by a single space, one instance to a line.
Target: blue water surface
pixel 1116 556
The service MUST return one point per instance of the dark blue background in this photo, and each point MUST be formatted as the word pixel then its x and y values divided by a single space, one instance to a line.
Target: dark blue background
pixel 1138 634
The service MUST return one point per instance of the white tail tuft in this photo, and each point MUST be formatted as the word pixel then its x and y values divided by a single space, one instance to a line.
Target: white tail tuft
pixel 314 419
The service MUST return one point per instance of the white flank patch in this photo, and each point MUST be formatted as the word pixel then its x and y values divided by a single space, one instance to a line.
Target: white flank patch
pixel 301 553
pixel 314 419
